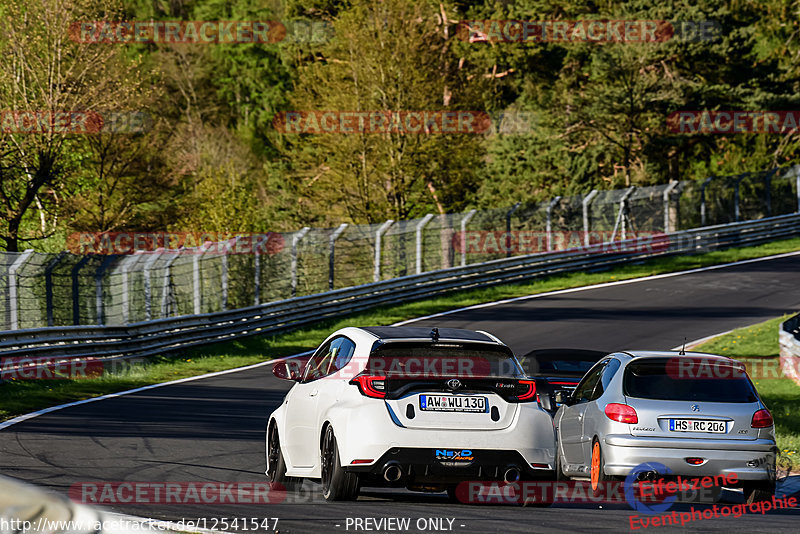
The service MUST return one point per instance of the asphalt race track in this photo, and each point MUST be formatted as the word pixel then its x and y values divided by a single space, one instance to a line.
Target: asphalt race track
pixel 213 429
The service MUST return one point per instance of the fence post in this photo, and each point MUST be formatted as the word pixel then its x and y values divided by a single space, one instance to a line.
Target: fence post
pixel 378 235
pixel 622 216
pixel 98 288
pixel 148 292
pixel 332 252
pixel 587 200
pixel 667 192
pixel 224 273
pixel 257 268
pixel 468 217
pixel 736 209
pixel 768 191
pixel 703 200
pixel 295 240
pixel 549 222
pixel 13 288
pixel 421 226
pixel 509 213
pixel 797 181
pixel 125 267
pixel 624 211
pixel 197 296
pixel 76 311
pixel 48 286
pixel 167 272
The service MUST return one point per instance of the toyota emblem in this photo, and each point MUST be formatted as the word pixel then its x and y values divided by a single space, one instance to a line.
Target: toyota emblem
pixel 454 383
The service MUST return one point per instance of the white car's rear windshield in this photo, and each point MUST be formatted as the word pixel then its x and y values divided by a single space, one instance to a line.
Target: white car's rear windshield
pixel 425 360
pixel 687 380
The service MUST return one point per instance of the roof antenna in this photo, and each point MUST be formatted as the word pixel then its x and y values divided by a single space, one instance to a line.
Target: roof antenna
pixel 435 334
pixel 683 349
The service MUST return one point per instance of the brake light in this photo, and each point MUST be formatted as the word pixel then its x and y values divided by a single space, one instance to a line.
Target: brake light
pixel 371 386
pixel 762 419
pixel 622 413
pixel 528 388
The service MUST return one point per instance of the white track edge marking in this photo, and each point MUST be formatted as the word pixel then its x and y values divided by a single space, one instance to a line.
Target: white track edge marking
pixel 27 416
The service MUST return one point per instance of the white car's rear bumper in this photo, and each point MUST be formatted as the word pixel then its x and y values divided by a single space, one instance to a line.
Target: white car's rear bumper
pixel 369 438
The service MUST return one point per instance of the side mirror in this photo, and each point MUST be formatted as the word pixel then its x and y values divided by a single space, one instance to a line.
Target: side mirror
pixel 563 397
pixel 288 370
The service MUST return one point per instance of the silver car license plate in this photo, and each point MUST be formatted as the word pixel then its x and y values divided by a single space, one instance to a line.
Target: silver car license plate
pixel 698 425
pixel 452 403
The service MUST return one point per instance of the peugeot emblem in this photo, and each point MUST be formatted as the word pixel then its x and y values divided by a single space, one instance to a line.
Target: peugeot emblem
pixel 454 383
pixel 695 407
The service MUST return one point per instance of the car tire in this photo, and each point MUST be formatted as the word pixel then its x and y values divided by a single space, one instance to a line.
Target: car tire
pixel 276 471
pixel 758 491
pixel 452 493
pixel 597 473
pixel 560 475
pixel 337 484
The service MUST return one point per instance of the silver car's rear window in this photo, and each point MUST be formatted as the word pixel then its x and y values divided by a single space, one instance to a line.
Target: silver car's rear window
pixel 656 379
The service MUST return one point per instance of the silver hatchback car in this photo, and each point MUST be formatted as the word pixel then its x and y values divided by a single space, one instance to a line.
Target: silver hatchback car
pixel 697 414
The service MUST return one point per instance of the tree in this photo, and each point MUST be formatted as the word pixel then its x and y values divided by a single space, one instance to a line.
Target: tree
pixel 48 74
pixel 388 56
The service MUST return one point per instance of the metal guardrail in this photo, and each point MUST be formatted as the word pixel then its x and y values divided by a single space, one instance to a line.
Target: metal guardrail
pixel 165 335
pixel 789 339
pixel 123 278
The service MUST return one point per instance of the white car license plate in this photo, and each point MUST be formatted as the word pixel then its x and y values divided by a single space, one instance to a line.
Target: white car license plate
pixel 698 425
pixel 452 403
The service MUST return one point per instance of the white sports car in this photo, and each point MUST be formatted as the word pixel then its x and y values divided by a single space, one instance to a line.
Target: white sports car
pixel 408 407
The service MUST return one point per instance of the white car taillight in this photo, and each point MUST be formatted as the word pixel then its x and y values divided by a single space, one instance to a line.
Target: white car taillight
pixel 371 386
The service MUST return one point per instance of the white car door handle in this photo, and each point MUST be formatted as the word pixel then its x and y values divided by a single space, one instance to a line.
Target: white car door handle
pixel 313 393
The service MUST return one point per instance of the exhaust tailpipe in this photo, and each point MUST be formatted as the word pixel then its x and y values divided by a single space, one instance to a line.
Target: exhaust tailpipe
pixel 511 474
pixel 392 472
pixel 647 475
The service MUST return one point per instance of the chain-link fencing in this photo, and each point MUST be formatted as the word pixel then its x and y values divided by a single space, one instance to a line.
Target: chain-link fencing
pixel 38 290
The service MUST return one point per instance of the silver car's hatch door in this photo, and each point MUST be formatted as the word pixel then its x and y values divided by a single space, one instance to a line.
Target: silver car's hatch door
pixel 698 420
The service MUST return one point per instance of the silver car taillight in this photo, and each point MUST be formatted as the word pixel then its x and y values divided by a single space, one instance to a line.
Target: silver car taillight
pixel 762 419
pixel 621 413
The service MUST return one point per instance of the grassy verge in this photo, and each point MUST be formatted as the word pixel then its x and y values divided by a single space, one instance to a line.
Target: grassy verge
pixel 781 395
pixel 18 397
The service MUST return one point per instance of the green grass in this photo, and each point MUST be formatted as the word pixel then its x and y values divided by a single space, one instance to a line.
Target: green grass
pixel 781 395
pixel 18 397
pixel 751 342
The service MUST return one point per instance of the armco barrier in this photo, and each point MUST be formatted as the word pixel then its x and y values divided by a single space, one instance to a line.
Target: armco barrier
pixel 123 278
pixel 165 335
pixel 789 337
